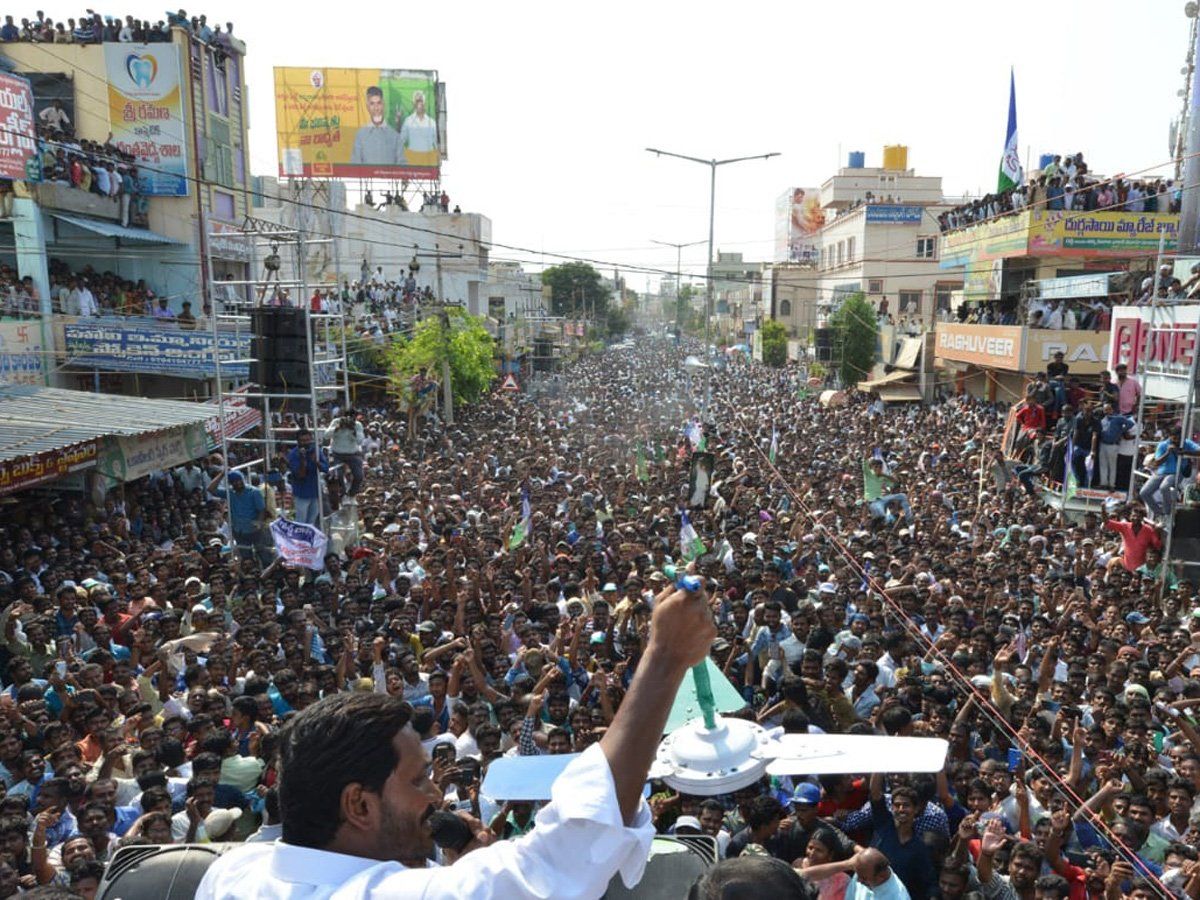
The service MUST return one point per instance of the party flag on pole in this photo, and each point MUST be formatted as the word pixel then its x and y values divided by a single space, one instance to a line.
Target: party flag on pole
pixel 521 531
pixel 690 545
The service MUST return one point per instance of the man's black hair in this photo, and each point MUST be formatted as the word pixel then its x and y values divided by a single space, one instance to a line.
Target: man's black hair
pixel 341 740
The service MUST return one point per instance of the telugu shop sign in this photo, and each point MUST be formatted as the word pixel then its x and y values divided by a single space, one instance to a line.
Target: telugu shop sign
pixel 28 471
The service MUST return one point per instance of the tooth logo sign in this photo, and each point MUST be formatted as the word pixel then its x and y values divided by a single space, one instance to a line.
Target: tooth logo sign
pixel 141 69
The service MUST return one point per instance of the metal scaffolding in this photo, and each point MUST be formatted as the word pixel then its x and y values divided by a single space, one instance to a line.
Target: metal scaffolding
pixel 283 253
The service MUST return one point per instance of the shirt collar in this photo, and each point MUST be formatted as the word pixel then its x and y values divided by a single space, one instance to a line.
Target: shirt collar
pixel 304 865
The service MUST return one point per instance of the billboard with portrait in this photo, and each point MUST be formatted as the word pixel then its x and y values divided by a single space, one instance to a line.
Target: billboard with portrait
pixel 145 109
pixel 359 123
pixel 798 218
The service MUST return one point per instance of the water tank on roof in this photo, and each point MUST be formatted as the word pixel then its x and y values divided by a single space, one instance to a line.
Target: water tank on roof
pixel 895 157
pixel 857 160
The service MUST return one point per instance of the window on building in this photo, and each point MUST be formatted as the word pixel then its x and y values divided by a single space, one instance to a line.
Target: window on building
pixel 926 247
pixel 223 206
pixel 841 251
pixel 785 308
pixel 910 301
pixel 941 298
pixel 875 286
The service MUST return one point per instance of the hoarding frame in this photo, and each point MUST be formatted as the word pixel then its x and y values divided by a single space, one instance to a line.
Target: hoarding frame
pixel 332 108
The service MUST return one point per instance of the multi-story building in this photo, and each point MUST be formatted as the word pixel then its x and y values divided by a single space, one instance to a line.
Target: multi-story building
pixel 178 108
pixel 1072 265
pixel 880 238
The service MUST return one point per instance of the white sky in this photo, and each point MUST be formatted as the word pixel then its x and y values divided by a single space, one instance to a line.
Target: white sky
pixel 550 104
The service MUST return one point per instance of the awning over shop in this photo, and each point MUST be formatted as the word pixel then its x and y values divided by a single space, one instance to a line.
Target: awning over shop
pixel 113 230
pixel 905 393
pixel 892 378
pixel 47 432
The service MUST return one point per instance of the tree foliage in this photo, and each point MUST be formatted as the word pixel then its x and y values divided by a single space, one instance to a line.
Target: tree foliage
pixel 857 333
pixel 774 343
pixel 618 321
pixel 575 288
pixel 468 344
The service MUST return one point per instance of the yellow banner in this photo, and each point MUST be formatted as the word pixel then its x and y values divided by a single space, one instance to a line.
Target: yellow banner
pixel 358 123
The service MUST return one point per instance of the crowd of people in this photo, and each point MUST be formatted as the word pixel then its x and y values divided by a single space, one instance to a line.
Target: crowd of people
pixel 86 293
pixel 1065 183
pixel 508 570
pixel 93 28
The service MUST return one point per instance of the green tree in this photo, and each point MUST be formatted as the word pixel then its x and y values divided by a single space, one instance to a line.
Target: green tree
pixel 576 289
pixel 774 343
pixel 618 321
pixel 468 345
pixel 856 331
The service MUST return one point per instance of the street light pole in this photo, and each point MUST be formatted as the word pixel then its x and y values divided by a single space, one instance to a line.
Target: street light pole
pixel 679 271
pixel 712 199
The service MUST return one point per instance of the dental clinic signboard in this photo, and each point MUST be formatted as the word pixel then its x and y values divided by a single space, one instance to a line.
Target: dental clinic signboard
pixel 145 112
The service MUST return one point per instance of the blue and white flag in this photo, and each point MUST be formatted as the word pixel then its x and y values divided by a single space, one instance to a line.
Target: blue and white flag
pixel 299 544
pixel 1010 162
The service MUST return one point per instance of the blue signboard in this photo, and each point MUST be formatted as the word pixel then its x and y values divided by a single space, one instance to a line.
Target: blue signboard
pixel 116 347
pixel 895 215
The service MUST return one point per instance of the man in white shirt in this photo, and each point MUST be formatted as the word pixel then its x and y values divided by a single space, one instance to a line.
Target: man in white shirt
pixel 87 301
pixel 356 798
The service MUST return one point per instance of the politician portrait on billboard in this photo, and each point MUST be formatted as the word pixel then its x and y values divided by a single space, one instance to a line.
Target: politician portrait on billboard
pixel 376 143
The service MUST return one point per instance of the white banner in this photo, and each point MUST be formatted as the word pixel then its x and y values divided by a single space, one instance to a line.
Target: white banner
pixel 299 544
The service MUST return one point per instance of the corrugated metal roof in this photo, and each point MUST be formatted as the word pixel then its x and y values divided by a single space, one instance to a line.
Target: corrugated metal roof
pixel 34 419
pixel 113 230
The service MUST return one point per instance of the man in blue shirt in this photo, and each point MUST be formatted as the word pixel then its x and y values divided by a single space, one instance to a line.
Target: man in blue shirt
pixel 1112 428
pixel 305 463
pixel 247 514
pixel 894 835
pixel 1167 472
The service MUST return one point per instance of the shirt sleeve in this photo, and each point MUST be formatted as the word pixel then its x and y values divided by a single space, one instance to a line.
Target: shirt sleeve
pixel 997 888
pixel 579 843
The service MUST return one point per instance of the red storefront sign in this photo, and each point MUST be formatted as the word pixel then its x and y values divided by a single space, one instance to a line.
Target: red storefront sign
pixel 28 471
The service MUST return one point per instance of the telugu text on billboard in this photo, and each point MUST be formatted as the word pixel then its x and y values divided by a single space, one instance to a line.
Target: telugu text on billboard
pixel 18 139
pixel 1104 233
pixel 145 110
pixel 358 123
pixel 798 218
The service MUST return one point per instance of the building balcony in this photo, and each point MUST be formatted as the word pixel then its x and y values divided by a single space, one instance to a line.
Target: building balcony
pixel 1104 234
pixel 1016 348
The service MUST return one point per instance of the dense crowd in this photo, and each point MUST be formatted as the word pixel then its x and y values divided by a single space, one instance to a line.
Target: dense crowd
pixel 865 585
pixel 1066 183
pixel 93 28
pixel 87 293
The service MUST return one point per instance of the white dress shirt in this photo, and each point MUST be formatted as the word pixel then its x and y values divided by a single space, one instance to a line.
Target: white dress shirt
pixel 579 843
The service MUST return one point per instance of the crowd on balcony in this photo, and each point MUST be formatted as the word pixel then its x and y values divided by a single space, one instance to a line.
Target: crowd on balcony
pixel 101 169
pixel 1066 184
pixel 86 293
pixel 94 28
